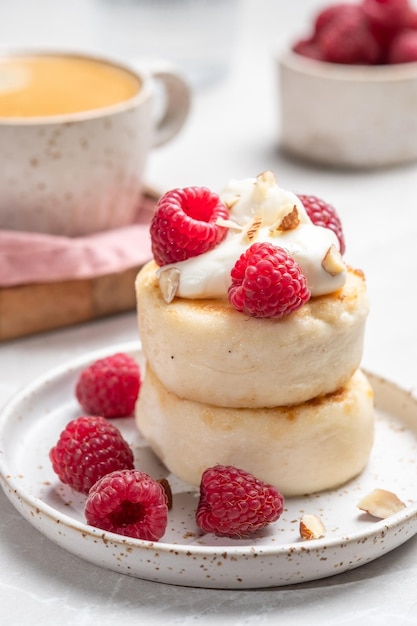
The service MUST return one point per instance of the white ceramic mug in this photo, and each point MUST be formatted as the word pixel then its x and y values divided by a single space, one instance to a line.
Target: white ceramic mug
pixel 73 151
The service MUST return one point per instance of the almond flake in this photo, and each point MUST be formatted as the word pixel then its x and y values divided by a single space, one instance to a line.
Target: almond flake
pixel 168 491
pixel 230 202
pixel 311 527
pixel 228 224
pixel 332 261
pixel 287 219
pixel 264 181
pixel 291 220
pixel 252 228
pixel 169 281
pixel 381 503
pixel 267 177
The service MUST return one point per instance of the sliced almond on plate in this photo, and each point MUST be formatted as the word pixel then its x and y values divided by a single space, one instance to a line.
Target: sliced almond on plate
pixel 311 527
pixel 381 503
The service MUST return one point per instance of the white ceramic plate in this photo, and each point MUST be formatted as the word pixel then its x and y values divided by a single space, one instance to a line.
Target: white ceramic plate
pixel 32 421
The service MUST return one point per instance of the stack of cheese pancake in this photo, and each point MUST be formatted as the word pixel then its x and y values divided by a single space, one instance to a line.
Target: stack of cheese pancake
pixel 281 396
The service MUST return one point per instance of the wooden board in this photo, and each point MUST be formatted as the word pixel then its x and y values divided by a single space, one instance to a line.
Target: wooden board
pixel 35 308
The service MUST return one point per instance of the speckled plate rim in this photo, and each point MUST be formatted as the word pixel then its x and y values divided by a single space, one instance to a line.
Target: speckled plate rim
pixel 65 530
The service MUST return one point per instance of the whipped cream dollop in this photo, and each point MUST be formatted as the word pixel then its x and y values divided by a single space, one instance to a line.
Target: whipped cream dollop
pixel 260 211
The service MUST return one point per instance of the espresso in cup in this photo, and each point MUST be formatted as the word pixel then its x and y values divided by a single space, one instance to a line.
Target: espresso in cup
pixel 75 134
pixel 56 85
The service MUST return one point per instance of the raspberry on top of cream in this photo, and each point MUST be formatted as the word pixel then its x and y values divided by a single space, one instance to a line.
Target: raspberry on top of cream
pixel 259 211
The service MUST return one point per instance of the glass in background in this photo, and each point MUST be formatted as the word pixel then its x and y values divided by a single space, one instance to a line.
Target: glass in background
pixel 196 35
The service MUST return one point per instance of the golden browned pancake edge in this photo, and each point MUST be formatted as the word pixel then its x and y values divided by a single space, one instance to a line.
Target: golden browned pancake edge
pixel 317 445
pixel 206 351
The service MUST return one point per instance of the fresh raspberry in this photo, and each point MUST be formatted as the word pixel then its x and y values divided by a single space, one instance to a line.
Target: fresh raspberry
pixel 387 18
pixel 184 224
pixel 267 282
pixel 88 448
pixel 110 386
pixel 323 214
pixel 129 503
pixel 412 21
pixel 347 39
pixel 391 15
pixel 338 11
pixel 404 48
pixel 234 503
pixel 308 48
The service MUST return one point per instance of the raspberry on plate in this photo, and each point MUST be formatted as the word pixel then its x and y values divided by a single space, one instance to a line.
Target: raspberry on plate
pixel 267 282
pixel 110 386
pixel 88 448
pixel 323 214
pixel 184 224
pixel 129 503
pixel 234 503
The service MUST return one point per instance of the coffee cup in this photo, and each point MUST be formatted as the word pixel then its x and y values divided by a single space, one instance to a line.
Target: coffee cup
pixel 75 134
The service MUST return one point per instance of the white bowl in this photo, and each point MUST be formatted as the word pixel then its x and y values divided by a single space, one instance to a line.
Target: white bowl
pixel 349 116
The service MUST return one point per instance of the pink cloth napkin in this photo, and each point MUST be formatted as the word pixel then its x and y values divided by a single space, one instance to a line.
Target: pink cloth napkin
pixel 27 258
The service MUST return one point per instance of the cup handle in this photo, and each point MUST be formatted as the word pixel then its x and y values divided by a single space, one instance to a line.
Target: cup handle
pixel 176 103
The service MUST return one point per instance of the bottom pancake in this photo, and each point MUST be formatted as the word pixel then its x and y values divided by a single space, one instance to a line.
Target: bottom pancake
pixel 301 449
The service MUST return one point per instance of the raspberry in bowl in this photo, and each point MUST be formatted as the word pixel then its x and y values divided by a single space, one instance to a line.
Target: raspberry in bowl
pixel 348 87
pixel 253 347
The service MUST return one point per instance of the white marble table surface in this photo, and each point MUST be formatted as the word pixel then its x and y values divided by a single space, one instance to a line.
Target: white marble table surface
pixel 233 132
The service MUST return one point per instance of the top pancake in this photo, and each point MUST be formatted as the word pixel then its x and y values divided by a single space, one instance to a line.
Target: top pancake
pixel 206 351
